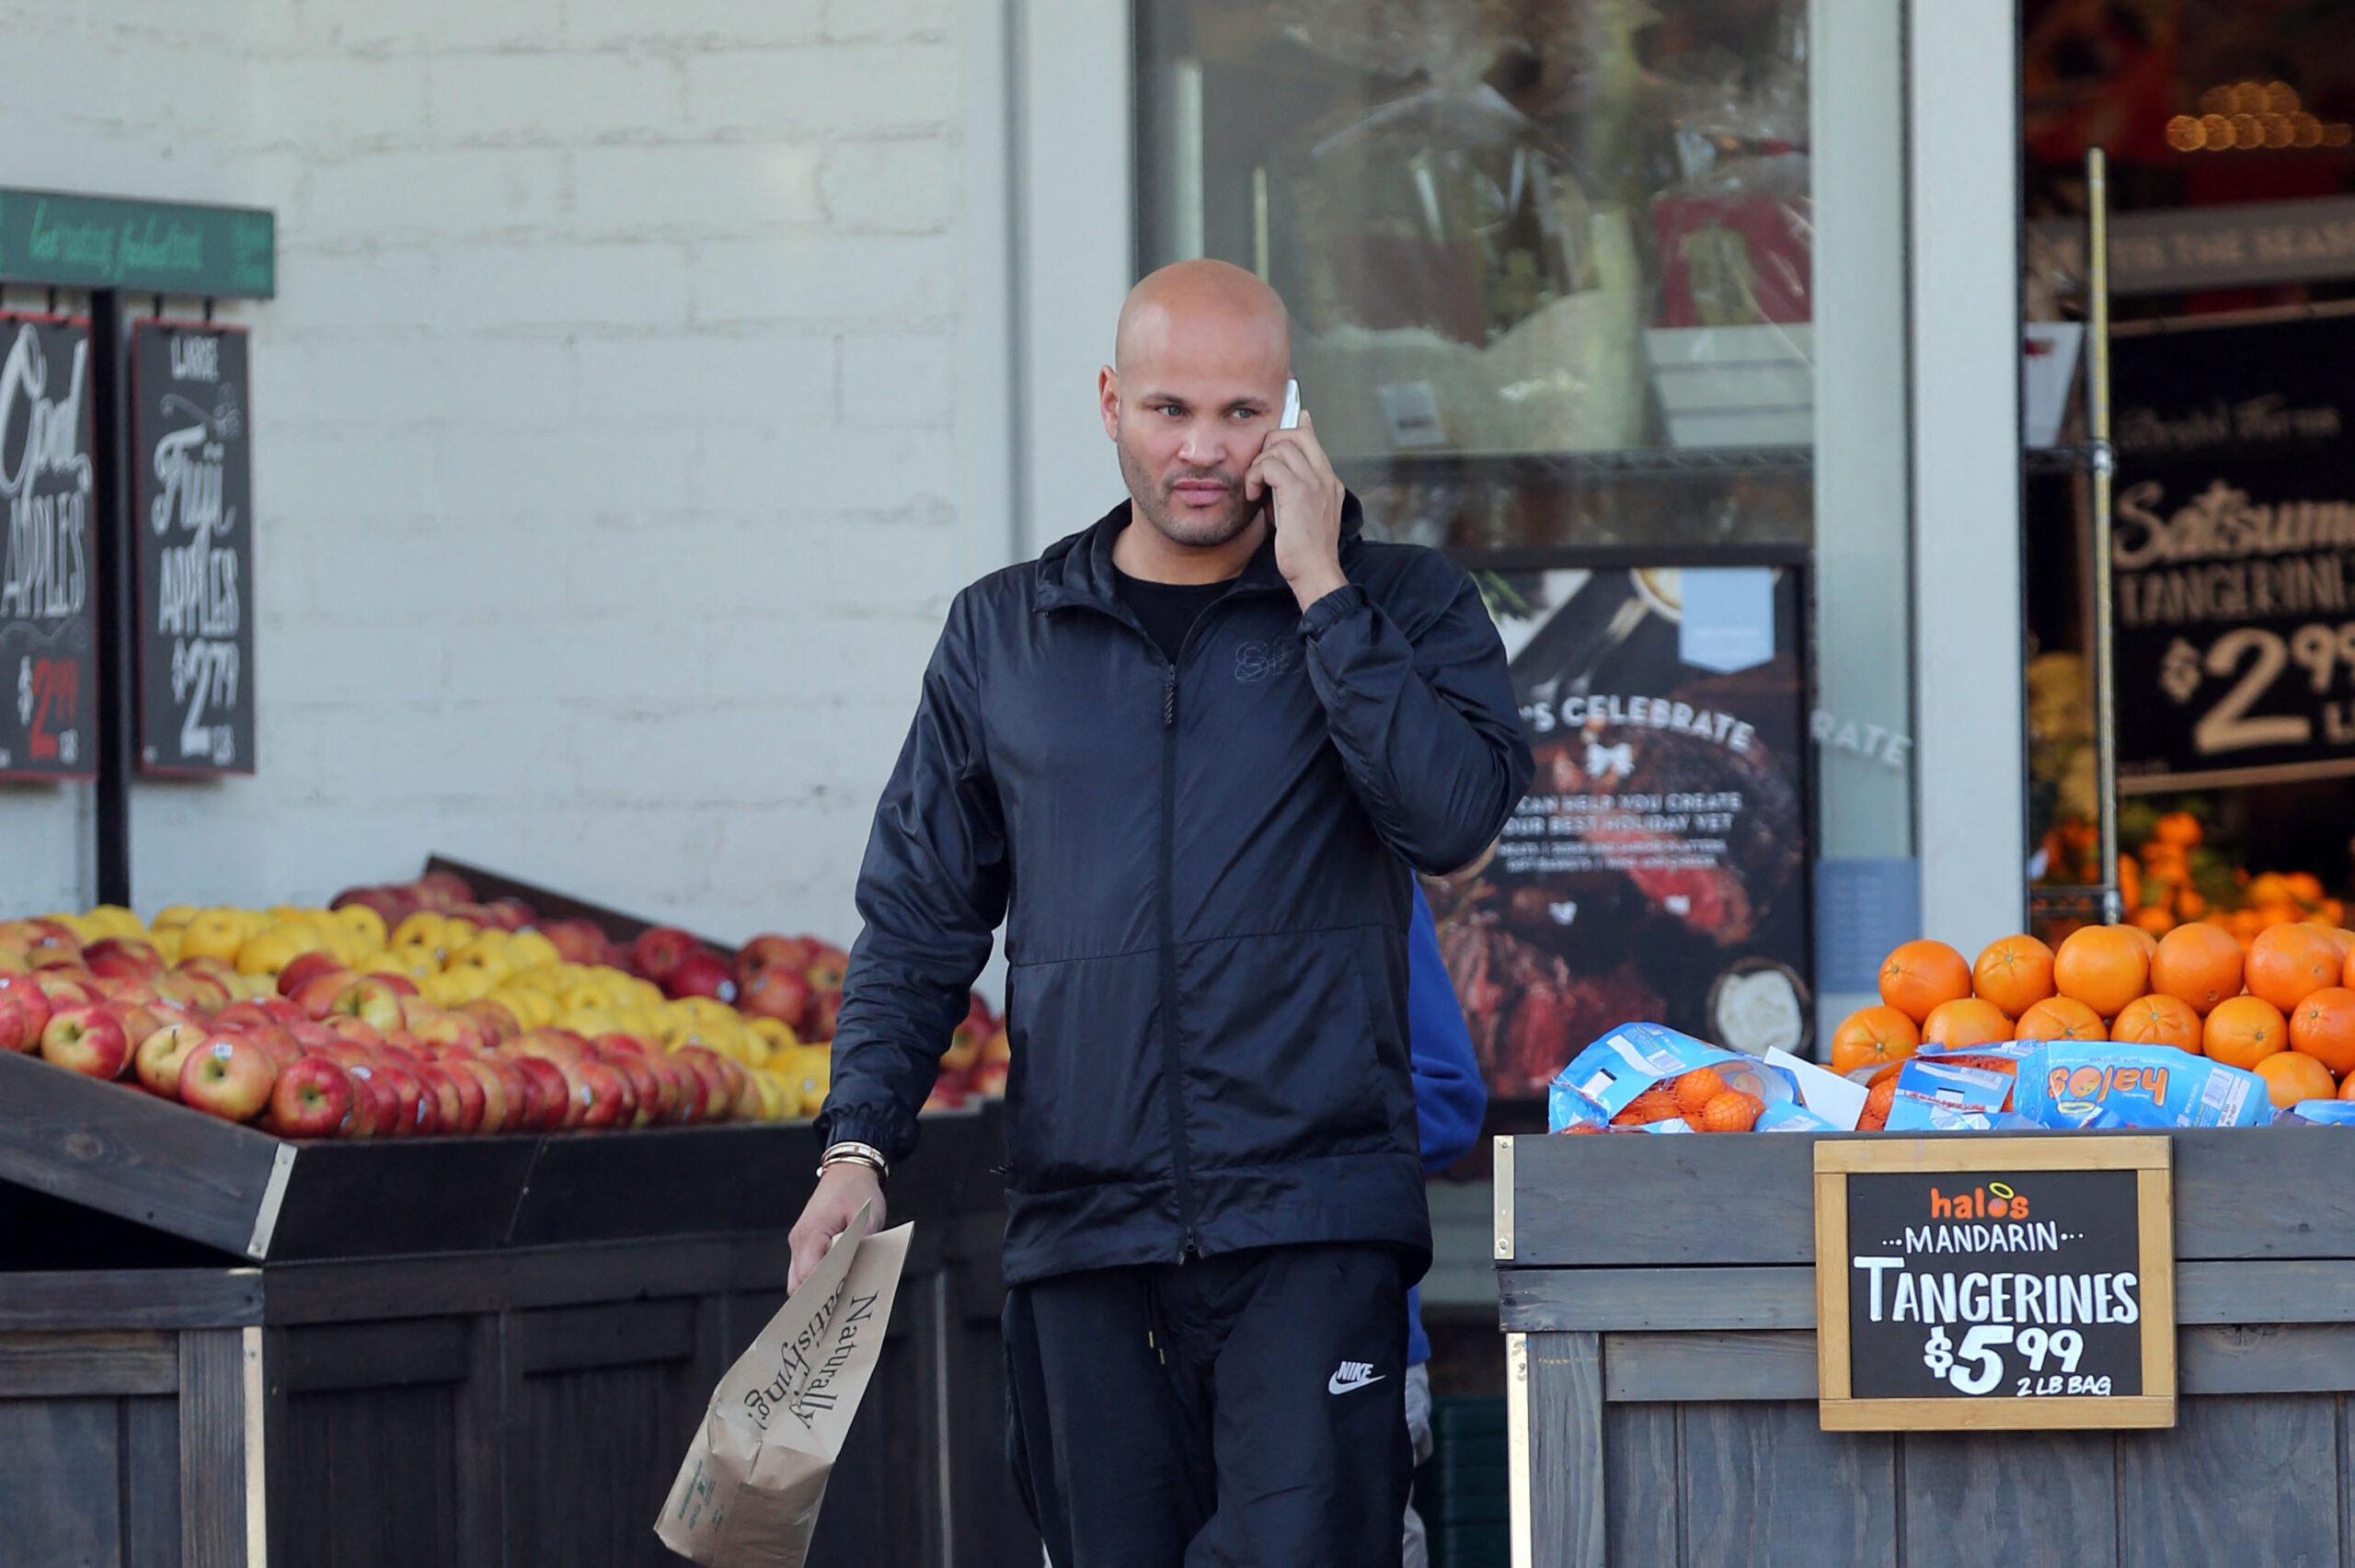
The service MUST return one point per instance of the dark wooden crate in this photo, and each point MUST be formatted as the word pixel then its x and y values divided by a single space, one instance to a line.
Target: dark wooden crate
pixel 1660 1298
pixel 493 1403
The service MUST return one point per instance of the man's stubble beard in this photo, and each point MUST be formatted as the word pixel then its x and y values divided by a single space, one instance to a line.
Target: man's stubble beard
pixel 1183 526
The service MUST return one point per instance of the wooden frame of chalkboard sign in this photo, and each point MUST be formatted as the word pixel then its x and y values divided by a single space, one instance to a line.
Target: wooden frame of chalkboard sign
pixel 2149 1244
pixel 219 660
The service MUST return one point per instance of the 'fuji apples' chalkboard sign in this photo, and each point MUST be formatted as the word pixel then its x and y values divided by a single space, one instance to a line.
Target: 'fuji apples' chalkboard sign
pixel 1988 1283
pixel 192 497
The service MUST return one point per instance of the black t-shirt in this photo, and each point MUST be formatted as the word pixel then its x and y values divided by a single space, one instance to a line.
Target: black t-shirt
pixel 1168 608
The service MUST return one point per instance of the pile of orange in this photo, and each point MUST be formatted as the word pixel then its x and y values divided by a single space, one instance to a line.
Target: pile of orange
pixel 2282 1006
pixel 2157 883
pixel 1700 1098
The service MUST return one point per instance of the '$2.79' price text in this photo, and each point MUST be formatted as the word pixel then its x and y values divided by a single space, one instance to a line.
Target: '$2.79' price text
pixel 1977 1365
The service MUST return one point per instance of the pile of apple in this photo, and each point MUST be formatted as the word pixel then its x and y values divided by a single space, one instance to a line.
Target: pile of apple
pixel 318 1022
pixel 796 982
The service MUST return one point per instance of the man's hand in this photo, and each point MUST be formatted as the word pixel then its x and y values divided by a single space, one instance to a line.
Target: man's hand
pixel 828 1214
pixel 1307 509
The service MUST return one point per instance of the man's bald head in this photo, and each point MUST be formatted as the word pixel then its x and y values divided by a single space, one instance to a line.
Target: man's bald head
pixel 1196 384
pixel 1194 302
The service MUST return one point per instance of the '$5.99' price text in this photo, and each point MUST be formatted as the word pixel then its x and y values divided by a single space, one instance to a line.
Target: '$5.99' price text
pixel 1977 1365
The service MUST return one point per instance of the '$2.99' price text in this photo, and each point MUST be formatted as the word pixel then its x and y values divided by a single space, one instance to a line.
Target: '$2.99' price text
pixel 1977 1365
pixel 2255 658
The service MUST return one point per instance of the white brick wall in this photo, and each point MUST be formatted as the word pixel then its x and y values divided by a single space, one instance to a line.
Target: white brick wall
pixel 611 431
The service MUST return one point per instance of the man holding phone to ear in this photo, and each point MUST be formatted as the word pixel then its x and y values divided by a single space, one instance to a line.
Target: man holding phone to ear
pixel 1187 756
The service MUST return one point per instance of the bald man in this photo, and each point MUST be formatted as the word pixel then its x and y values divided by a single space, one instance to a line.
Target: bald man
pixel 1188 757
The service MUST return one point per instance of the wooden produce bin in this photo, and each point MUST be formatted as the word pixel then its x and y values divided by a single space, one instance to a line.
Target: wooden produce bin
pixel 220 1348
pixel 1658 1301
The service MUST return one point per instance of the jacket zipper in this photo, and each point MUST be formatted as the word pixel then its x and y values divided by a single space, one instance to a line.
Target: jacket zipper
pixel 1173 1087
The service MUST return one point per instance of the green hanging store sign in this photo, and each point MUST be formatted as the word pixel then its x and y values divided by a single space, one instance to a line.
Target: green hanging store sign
pixel 147 248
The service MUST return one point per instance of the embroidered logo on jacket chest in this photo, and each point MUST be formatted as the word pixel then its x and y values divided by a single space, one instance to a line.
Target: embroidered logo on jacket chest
pixel 1260 658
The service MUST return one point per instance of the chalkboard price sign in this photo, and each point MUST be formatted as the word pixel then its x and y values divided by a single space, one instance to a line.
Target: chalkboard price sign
pixel 47 511
pixel 192 496
pixel 1978 1283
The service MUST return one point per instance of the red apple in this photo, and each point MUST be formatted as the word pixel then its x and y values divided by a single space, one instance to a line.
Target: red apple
pixel 827 966
pixel 660 949
pixel 646 1087
pixel 317 996
pixel 370 1000
pixel 304 968
pixel 125 958
pixel 449 1098
pixel 500 1024
pixel 747 1105
pixel 282 1012
pixel 453 1029
pixel 228 1076
pixel 578 941
pixel 242 1015
pixel 989 1077
pixel 284 1049
pixel 161 1055
pixel 544 1091
pixel 86 1039
pixel 701 974
pixel 24 1010
pixel 447 886
pixel 366 1119
pixel 420 1110
pixel 209 990
pixel 776 992
pixel 489 1085
pixel 360 1033
pixel 401 984
pixel 711 1070
pixel 769 951
pixel 311 1099
pixel 63 993
pixel 681 1090
pixel 510 914
pixel 606 1097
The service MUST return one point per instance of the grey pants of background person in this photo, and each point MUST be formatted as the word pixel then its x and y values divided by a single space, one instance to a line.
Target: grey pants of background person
pixel 1419 1429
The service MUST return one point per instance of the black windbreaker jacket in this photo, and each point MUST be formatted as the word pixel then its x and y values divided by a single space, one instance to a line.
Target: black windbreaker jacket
pixel 1202 869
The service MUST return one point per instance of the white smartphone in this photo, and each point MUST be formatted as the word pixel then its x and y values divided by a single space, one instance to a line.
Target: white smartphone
pixel 1291 420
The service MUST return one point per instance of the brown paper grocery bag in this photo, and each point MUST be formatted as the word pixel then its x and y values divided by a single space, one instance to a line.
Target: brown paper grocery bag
pixel 748 1494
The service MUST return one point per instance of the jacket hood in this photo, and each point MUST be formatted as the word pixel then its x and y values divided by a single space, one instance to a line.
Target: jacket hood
pixel 1078 570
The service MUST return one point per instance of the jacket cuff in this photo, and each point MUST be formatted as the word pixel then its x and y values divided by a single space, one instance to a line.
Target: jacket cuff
pixel 1331 610
pixel 883 1127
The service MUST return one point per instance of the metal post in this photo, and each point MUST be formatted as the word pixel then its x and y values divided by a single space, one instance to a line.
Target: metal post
pixel 2103 464
pixel 117 580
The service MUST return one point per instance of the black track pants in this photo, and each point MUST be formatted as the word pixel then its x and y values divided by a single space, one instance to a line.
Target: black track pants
pixel 1241 1409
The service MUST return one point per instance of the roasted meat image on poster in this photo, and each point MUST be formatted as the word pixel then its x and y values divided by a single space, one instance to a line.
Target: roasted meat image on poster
pixel 1656 869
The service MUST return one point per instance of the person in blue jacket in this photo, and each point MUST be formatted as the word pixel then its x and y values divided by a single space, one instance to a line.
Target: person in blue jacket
pixel 1450 1100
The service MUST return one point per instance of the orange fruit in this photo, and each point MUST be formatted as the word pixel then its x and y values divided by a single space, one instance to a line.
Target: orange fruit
pixel 2271 887
pixel 2152 919
pixel 2346 1090
pixel 2305 887
pixel 1877 1104
pixel 2292 1076
pixel 2245 1030
pixel 2323 1027
pixel 2289 963
pixel 1732 1111
pixel 2246 924
pixel 2343 940
pixel 2190 905
pixel 2059 1018
pixel 2149 939
pixel 2014 972
pixel 1872 1035
pixel 1968 1021
pixel 2199 964
pixel 1919 976
pixel 2105 967
pixel 2158 1020
pixel 2178 828
pixel 1654 1105
pixel 1695 1090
